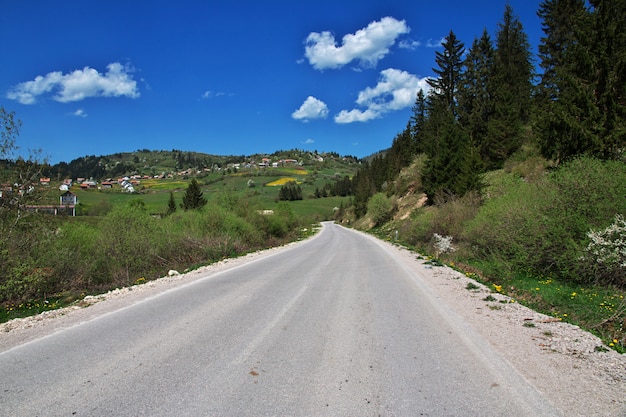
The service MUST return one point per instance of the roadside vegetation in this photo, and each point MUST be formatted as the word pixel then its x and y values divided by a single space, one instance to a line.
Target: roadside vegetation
pixel 518 179
pixel 121 239
pixel 552 239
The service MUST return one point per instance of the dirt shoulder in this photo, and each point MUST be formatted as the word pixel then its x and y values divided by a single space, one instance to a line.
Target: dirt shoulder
pixel 559 359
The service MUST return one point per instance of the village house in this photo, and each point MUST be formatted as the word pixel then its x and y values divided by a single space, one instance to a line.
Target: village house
pixel 68 198
pixel 67 205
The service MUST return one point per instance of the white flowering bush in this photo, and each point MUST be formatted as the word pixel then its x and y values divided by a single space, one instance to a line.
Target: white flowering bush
pixel 443 244
pixel 607 249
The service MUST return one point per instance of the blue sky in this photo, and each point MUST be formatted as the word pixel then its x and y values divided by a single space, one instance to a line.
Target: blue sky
pixel 226 77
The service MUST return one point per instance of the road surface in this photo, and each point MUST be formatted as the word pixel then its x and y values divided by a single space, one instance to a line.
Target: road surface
pixel 335 326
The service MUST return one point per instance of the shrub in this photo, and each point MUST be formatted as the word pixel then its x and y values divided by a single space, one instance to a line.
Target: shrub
pixel 379 208
pixel 543 226
pixel 606 253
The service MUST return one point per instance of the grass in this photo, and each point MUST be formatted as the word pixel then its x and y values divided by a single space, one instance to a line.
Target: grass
pixel 31 308
pixel 262 194
pixel 597 309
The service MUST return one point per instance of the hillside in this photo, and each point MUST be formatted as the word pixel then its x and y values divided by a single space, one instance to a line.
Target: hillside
pixel 154 163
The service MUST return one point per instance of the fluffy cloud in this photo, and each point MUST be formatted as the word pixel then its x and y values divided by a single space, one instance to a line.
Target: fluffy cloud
pixel 78 85
pixel 79 113
pixel 395 90
pixel 312 108
pixel 367 45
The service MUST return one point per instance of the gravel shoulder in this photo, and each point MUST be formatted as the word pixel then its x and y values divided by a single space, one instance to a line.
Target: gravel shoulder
pixel 560 360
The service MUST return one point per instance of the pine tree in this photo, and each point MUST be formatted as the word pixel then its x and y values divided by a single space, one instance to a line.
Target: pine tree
pixel 418 119
pixel 447 171
pixel 171 205
pixel 609 48
pixel 512 88
pixel 450 63
pixel 193 197
pixel 476 98
pixel 567 116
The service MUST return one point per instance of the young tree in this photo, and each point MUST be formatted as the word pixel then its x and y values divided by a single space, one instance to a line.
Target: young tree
pixel 171 204
pixel 418 120
pixel 193 197
pixel 9 131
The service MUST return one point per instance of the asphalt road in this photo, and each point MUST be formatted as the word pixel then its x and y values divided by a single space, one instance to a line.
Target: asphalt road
pixel 336 326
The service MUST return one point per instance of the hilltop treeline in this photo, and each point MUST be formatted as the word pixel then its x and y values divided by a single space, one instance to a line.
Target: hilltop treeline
pixel 484 104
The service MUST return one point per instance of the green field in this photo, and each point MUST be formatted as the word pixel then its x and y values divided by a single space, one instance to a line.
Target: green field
pixel 245 185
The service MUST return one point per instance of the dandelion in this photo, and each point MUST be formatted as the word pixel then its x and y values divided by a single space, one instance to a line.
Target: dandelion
pixel 615 341
pixel 537 289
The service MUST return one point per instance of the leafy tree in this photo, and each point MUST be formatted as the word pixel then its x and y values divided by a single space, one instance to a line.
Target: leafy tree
pixel 193 197
pixel 9 130
pixel 379 208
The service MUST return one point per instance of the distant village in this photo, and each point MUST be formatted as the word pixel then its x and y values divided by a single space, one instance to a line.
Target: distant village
pixel 130 183
pixel 68 200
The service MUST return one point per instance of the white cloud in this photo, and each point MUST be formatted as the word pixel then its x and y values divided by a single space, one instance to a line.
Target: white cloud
pixel 312 108
pixel 309 142
pixel 79 113
pixel 356 115
pixel 409 44
pixel 434 43
pixel 367 45
pixel 78 85
pixel 395 90
pixel 210 94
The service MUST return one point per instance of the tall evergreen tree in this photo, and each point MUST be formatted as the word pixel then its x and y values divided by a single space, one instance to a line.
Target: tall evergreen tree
pixel 447 171
pixel 609 47
pixel 476 98
pixel 449 63
pixel 567 116
pixel 418 120
pixel 193 197
pixel 512 87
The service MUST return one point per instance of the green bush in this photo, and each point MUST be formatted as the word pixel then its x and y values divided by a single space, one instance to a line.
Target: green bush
pixel 379 208
pixel 542 227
